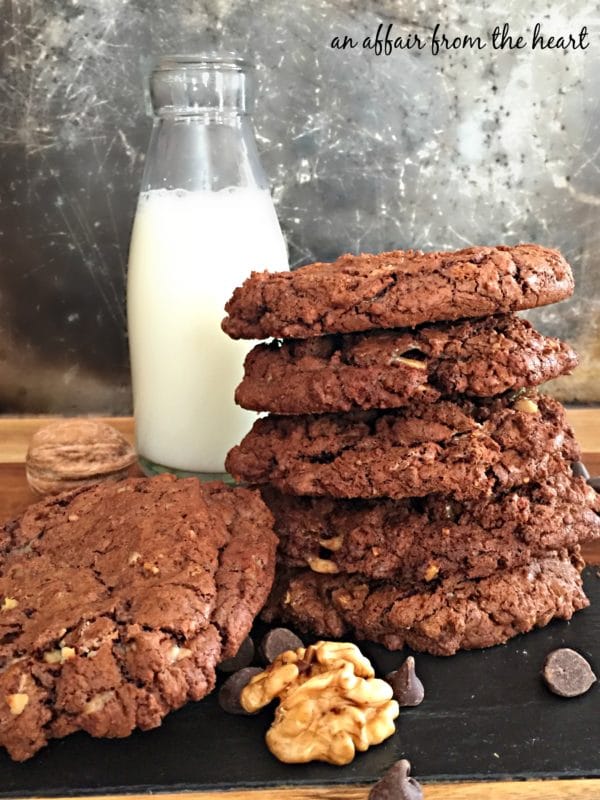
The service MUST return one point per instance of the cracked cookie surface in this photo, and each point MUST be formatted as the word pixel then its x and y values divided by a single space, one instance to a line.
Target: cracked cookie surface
pixel 420 540
pixel 464 449
pixel 118 601
pixel 396 290
pixel 453 614
pixel 390 369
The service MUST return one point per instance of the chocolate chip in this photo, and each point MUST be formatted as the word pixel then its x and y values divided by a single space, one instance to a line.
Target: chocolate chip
pixel 241 659
pixel 408 689
pixel 580 470
pixel 11 526
pixel 397 785
pixel 451 511
pixel 567 673
pixel 230 692
pixel 595 482
pixel 277 641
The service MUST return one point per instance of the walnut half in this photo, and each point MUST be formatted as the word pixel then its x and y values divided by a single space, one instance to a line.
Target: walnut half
pixel 76 452
pixel 331 704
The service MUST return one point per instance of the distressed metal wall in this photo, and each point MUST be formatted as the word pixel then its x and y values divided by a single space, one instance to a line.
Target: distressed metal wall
pixel 364 152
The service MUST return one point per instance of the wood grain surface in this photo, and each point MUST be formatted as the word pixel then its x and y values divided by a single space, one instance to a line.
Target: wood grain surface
pixel 15 495
pixel 506 790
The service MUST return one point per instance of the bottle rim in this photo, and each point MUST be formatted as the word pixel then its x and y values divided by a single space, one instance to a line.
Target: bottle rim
pixel 229 61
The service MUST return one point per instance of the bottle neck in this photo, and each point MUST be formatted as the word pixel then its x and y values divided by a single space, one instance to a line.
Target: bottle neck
pixel 183 84
pixel 209 150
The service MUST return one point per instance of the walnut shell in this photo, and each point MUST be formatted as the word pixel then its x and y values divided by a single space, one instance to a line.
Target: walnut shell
pixel 76 452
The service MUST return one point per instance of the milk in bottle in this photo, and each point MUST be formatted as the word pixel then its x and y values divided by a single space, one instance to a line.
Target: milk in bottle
pixel 204 220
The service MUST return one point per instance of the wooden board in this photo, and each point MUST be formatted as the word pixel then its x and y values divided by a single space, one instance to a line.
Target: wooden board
pixel 507 790
pixel 494 680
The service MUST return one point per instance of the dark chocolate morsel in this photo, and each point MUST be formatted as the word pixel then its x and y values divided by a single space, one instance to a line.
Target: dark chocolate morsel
pixel 408 689
pixel 595 482
pixel 580 470
pixel 11 527
pixel 277 641
pixel 397 784
pixel 567 673
pixel 243 657
pixel 230 692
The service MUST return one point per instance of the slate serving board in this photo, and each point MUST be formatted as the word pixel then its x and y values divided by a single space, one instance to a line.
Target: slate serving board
pixel 486 715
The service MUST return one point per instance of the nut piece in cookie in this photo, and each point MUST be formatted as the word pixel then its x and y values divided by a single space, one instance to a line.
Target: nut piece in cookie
pixel 330 704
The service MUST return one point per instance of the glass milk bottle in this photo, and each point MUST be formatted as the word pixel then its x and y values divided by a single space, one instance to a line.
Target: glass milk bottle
pixel 204 220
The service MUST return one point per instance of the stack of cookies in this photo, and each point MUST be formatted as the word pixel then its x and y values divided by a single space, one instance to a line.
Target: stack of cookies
pixel 422 489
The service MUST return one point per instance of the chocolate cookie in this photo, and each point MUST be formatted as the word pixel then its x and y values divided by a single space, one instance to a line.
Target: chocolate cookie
pixel 423 539
pixel 396 290
pixel 464 449
pixel 390 369
pixel 454 614
pixel 118 601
